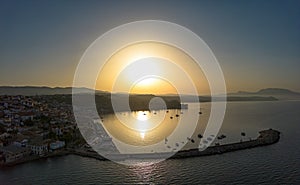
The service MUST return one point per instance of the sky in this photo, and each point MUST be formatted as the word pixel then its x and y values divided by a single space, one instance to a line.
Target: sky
pixel 257 43
pixel 156 68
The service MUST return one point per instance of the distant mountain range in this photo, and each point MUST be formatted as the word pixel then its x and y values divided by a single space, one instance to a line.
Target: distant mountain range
pixel 278 93
pixel 35 90
pixel 272 91
pixel 275 93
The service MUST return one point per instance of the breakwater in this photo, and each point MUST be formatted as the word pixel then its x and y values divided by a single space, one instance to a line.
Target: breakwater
pixel 266 137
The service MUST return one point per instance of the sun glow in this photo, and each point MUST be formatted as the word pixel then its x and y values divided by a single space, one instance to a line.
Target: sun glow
pixel 140 69
pixel 140 64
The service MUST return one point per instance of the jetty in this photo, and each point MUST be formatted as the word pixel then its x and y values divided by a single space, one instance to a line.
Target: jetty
pixel 266 137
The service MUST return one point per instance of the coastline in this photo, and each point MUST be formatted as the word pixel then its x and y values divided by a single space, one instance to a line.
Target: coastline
pixel 266 137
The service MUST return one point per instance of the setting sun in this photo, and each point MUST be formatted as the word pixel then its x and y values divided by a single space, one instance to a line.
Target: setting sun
pixel 147 81
pixel 152 86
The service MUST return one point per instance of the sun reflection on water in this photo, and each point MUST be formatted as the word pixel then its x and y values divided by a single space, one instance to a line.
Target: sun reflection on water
pixel 142 134
pixel 142 116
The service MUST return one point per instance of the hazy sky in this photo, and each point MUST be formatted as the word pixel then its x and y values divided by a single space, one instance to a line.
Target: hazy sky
pixel 256 42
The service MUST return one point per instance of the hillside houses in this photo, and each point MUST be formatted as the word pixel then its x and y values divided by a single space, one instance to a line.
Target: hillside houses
pixel 38 124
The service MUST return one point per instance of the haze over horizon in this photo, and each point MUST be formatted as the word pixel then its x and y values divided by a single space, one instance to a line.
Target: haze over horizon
pixel 42 42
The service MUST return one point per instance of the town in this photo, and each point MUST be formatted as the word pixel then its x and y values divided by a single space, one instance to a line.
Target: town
pixel 42 126
pixel 35 126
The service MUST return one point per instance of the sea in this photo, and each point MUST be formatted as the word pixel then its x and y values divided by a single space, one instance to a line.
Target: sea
pixel 274 164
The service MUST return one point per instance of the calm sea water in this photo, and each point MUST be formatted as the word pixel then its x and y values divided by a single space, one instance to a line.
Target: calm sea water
pixel 274 164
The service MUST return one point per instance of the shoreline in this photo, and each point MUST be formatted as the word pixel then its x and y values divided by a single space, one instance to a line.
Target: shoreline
pixel 266 137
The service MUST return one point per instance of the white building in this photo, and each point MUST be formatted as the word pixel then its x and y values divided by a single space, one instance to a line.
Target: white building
pixel 38 146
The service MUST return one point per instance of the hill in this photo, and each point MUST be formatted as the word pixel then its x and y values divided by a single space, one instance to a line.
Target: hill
pixel 35 90
pixel 279 93
pixel 268 94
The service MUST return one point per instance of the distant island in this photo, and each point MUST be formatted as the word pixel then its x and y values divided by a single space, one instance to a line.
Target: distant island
pixel 272 91
pixel 278 93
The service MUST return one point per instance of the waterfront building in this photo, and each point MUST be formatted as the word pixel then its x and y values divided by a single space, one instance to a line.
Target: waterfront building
pixel 12 153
